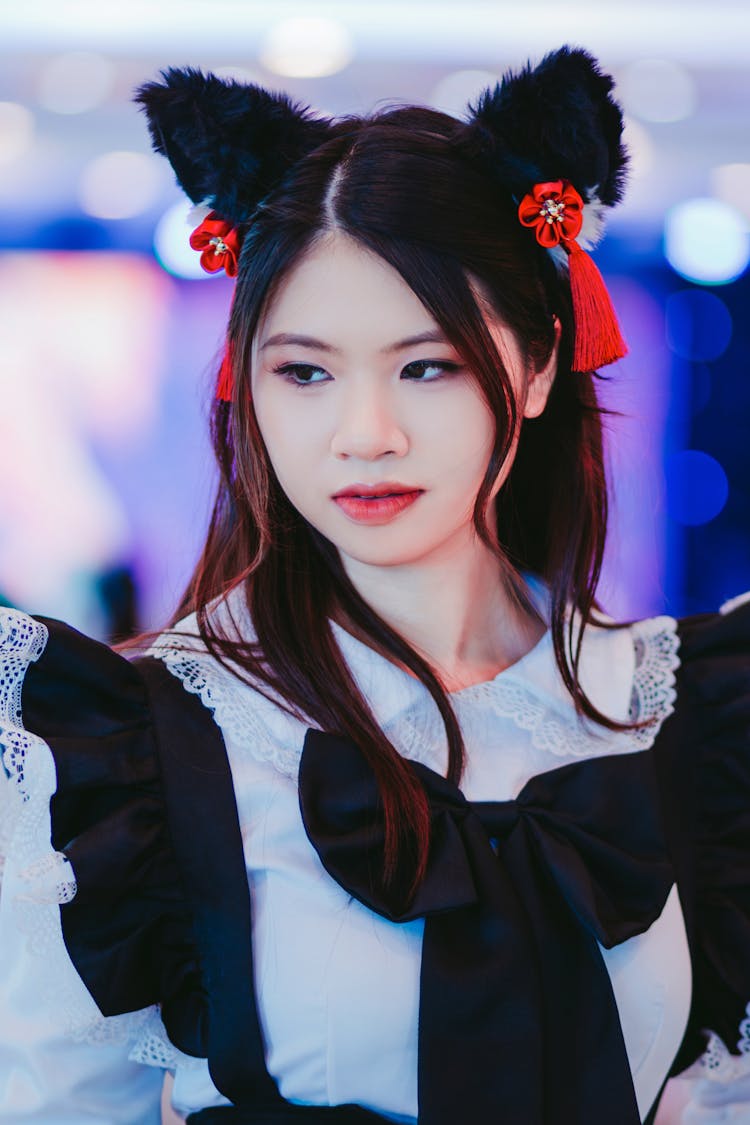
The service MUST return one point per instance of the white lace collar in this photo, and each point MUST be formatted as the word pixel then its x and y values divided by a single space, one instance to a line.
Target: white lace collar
pixel 628 673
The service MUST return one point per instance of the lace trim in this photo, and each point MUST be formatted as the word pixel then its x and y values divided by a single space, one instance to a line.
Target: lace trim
pixel 51 879
pixel 22 641
pixel 272 735
pixel 154 1048
pixel 715 1089
pixel 656 643
pixel 269 733
pixel 23 755
pixel 743 1043
pixel 734 603
pixel 42 878
pixel 566 735
pixel 720 1081
pixel 719 1064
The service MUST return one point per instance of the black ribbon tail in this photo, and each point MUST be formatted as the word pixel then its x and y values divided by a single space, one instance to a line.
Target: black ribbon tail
pixel 514 992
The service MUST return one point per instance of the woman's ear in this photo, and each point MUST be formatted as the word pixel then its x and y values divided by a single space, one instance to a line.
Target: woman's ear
pixel 541 380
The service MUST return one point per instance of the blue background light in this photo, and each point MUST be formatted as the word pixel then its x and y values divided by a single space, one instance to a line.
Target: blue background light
pixel 698 325
pixel 706 240
pixel 697 487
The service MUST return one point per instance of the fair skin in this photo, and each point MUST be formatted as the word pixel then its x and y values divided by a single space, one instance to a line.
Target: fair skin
pixel 350 408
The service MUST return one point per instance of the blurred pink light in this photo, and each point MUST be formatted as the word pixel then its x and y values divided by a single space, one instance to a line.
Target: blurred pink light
pixel 90 375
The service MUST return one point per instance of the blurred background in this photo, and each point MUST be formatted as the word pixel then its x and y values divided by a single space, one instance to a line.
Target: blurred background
pixel 109 331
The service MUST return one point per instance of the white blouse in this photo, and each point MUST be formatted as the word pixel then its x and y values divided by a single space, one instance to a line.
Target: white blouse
pixel 337 985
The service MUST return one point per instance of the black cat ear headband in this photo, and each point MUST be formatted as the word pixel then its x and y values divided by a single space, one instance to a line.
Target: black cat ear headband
pixel 550 136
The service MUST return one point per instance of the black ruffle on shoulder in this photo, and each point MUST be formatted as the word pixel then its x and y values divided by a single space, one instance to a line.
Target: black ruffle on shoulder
pixel 108 817
pixel 145 812
pixel 703 758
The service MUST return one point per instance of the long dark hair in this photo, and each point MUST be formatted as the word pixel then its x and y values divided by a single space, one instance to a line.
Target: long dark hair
pixel 403 184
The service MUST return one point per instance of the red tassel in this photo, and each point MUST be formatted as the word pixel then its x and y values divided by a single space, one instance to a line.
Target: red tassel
pixel 225 382
pixel 598 340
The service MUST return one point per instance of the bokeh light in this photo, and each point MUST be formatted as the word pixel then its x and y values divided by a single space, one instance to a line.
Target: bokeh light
pixel 706 240
pixel 640 146
pixel 16 131
pixel 658 90
pixel 88 383
pixel 701 387
pixel 75 82
pixel 118 185
pixel 697 487
pixel 238 73
pixel 67 79
pixel 454 92
pixel 731 184
pixel 306 47
pixel 698 325
pixel 172 243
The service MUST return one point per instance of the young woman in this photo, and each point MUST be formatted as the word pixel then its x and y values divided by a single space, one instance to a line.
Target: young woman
pixel 392 824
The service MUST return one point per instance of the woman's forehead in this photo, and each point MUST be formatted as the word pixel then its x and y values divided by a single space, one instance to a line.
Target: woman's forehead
pixel 341 293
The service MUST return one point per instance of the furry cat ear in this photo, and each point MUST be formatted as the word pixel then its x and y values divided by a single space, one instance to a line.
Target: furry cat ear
pixel 228 142
pixel 551 137
pixel 556 121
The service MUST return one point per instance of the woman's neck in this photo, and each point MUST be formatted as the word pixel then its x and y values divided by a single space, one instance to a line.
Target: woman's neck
pixel 456 611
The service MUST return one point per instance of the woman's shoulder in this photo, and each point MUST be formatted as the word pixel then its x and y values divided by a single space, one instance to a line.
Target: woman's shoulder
pixel 708 741
pixel 110 772
pixel 712 666
pixel 250 714
pixel 90 725
pixel 58 686
pixel 57 683
pixel 701 657
pixel 717 644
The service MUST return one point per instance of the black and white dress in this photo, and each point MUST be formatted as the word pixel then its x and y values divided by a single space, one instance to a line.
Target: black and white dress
pixel 192 883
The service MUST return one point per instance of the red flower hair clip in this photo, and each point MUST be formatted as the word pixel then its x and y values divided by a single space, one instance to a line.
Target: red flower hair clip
pixel 219 242
pixel 555 211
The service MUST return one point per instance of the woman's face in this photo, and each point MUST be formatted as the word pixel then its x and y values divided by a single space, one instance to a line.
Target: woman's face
pixel 378 434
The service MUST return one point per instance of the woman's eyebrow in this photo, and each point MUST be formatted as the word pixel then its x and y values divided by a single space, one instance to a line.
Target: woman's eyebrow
pixel 434 336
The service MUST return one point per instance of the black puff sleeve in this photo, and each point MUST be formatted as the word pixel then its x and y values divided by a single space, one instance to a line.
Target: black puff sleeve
pixel 127 926
pixel 703 755
pixel 144 811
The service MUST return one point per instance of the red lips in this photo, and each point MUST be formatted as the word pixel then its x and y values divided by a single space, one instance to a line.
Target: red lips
pixel 383 488
pixel 376 503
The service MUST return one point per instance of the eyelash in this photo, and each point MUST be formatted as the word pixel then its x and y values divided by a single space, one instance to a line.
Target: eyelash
pixel 289 371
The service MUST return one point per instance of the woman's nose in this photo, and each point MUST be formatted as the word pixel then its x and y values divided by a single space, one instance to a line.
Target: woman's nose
pixel 367 428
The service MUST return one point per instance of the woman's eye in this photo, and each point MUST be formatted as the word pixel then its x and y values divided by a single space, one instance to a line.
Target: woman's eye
pixel 428 370
pixel 302 374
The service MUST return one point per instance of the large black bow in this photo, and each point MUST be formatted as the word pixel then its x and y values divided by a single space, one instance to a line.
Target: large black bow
pixel 518 1022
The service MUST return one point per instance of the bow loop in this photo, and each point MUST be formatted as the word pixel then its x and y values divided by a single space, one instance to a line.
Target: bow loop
pixel 573 827
pixel 342 815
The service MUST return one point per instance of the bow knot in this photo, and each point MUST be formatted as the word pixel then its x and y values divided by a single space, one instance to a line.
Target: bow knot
pixel 499 818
